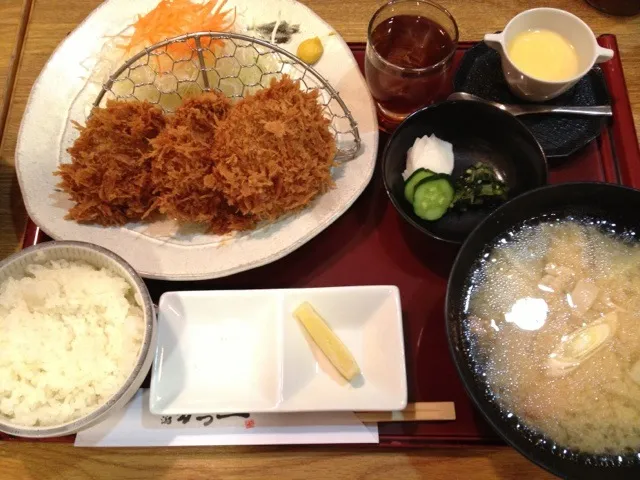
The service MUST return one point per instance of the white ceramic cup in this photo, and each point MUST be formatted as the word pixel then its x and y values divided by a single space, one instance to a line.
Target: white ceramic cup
pixel 566 24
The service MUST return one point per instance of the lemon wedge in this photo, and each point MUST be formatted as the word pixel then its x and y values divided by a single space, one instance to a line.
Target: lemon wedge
pixel 328 342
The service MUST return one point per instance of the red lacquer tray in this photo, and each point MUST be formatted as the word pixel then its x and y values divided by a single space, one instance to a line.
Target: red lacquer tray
pixel 370 244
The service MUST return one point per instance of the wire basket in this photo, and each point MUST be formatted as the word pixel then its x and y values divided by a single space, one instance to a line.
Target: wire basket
pixel 235 65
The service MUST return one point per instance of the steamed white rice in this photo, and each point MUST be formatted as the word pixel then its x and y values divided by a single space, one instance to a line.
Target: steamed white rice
pixel 70 335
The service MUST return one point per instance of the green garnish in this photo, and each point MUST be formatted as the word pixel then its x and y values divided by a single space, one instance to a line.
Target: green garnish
pixel 479 185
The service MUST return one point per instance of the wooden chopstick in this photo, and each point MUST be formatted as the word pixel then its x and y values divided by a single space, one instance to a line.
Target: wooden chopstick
pixel 415 412
pixel 16 58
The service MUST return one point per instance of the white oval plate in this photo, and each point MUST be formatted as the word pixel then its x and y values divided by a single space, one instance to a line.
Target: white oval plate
pixel 62 93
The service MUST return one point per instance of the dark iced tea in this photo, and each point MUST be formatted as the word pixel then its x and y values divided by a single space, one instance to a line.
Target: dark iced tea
pixel 408 61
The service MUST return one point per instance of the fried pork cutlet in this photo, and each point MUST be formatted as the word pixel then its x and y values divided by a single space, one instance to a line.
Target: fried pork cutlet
pixel 273 151
pixel 226 166
pixel 182 167
pixel 109 178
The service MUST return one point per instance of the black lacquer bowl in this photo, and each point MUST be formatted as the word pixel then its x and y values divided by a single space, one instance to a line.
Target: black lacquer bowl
pixel 478 133
pixel 615 204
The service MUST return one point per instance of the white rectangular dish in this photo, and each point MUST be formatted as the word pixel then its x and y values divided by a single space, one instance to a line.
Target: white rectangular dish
pixel 243 351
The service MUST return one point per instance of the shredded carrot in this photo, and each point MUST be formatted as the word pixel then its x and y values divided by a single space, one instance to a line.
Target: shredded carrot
pixel 171 18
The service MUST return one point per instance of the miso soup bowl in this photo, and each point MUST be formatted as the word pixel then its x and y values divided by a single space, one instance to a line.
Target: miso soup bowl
pixel 598 200
pixel 564 23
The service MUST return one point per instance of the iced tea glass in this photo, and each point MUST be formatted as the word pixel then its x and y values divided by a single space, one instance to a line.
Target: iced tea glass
pixel 410 48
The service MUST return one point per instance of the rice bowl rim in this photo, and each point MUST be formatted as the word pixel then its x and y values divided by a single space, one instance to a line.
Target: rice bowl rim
pixel 122 394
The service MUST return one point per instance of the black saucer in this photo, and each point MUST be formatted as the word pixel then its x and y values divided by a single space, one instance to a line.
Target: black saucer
pixel 480 73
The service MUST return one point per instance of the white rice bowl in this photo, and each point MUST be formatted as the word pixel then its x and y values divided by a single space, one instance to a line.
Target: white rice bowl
pixel 74 337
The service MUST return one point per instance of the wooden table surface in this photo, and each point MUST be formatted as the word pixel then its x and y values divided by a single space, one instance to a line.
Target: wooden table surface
pixel 47 23
pixel 10 17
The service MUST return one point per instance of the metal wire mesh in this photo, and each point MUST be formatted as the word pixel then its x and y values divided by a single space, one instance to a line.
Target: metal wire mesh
pixel 235 65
